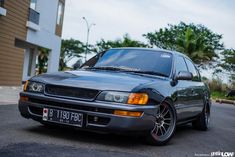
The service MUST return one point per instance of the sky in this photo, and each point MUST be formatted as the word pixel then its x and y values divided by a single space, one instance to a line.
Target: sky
pixel 114 18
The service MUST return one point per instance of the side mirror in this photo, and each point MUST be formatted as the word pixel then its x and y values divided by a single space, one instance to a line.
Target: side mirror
pixel 184 75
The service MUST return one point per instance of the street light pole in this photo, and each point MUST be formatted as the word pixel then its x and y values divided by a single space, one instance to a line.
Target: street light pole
pixel 88 33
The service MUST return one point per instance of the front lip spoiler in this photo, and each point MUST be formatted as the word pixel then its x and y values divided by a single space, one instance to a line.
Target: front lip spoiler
pixel 116 124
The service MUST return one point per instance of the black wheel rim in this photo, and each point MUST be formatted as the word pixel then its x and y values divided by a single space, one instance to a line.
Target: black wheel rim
pixel 164 123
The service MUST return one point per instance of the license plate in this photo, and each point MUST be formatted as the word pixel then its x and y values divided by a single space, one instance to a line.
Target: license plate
pixel 63 116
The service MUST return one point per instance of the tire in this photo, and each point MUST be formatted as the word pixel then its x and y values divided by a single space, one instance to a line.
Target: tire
pixel 203 120
pixel 164 125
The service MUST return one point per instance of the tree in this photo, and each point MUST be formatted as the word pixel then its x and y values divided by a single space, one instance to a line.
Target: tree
pixel 125 42
pixel 196 41
pixel 42 60
pixel 228 64
pixel 228 61
pixel 69 49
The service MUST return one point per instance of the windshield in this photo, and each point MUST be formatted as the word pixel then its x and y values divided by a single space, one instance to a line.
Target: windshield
pixel 151 62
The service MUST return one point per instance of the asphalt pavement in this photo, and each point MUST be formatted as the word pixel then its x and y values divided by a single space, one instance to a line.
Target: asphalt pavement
pixel 21 137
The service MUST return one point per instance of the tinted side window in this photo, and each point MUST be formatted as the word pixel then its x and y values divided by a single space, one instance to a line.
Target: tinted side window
pixel 180 64
pixel 192 69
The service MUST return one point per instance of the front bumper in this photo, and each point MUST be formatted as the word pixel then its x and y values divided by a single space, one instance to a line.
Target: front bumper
pixel 107 121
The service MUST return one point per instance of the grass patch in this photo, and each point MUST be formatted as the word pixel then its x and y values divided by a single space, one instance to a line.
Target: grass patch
pixel 220 95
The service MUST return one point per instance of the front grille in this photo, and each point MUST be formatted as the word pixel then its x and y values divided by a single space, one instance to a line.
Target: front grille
pixel 72 92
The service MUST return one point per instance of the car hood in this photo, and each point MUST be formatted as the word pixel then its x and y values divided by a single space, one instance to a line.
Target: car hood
pixel 100 80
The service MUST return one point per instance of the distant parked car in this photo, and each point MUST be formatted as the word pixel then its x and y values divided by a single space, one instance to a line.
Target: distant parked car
pixel 122 90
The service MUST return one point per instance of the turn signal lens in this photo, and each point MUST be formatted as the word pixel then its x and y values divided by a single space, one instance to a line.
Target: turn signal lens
pixel 138 98
pixel 25 85
pixel 127 113
pixel 24 98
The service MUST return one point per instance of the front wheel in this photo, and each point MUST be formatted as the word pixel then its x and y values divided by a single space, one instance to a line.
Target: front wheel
pixel 164 125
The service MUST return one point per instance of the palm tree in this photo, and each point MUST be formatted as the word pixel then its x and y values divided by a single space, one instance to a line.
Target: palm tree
pixel 194 47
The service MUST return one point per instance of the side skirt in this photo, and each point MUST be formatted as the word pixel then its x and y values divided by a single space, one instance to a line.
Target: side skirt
pixel 183 122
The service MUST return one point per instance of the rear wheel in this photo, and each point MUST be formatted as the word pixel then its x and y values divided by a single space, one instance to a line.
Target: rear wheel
pixel 203 120
pixel 164 125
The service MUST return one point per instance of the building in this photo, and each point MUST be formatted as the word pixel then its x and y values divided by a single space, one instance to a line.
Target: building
pixel 26 26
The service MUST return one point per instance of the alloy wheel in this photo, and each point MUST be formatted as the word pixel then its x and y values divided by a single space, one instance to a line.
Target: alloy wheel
pixel 164 123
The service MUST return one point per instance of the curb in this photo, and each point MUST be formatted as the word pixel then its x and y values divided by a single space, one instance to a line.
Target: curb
pixel 225 101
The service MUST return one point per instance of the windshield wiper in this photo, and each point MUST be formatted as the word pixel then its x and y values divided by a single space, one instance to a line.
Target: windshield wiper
pixel 151 73
pixel 115 68
pixel 127 69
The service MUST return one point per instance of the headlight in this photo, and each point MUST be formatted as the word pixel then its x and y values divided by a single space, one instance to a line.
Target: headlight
pixel 34 87
pixel 123 97
pixel 119 97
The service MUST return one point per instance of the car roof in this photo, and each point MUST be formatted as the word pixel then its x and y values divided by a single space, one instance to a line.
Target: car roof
pixel 154 49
